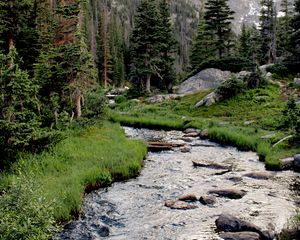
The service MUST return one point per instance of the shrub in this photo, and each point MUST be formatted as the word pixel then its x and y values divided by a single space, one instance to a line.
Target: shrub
pixel 94 104
pixel 279 69
pixel 254 80
pixel 25 214
pixel 291 115
pixel 231 87
pixel 120 99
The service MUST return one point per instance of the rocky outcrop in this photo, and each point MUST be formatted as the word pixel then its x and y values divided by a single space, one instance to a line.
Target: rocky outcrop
pixel 228 193
pixel 209 78
pixel 209 100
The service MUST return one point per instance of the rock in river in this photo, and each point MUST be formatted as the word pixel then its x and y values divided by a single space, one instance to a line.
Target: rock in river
pixel 207 200
pixel 188 198
pixel 240 236
pixel 260 175
pixel 181 205
pixel 297 162
pixel 228 193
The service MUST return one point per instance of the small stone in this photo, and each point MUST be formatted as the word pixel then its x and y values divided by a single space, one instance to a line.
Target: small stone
pixel 207 200
pixel 228 193
pixel 249 122
pixel 268 136
pixel 188 198
pixel 103 231
pixel 259 175
pixel 287 163
pixel 180 205
pixel 185 149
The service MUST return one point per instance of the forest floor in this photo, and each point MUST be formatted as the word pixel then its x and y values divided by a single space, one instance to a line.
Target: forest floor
pixel 250 121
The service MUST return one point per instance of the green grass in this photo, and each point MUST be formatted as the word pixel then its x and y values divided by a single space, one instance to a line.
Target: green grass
pixel 85 160
pixel 225 120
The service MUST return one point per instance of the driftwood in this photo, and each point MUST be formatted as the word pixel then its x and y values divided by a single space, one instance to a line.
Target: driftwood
pixel 281 140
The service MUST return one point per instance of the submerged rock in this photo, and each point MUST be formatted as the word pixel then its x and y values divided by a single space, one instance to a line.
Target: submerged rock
pixel 228 193
pixel 181 205
pixel 260 175
pixel 240 236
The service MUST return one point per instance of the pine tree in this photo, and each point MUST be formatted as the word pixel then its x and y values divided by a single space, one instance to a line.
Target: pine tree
pixel 295 36
pixel 268 31
pixel 218 18
pixel 19 107
pixel 145 45
pixel 167 46
pixel 202 48
pixel 284 29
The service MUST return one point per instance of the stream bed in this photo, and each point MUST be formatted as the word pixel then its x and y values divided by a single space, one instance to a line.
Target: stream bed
pixel 135 209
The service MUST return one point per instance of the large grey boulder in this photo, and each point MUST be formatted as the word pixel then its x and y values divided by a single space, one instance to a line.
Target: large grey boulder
pixel 209 78
pixel 297 162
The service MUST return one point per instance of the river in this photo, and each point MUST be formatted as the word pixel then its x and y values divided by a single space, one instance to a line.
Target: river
pixel 135 209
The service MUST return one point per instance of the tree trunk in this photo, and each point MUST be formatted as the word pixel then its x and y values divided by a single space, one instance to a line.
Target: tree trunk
pixel 148 83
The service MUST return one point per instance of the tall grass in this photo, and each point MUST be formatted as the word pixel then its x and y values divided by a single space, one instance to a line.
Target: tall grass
pixel 82 162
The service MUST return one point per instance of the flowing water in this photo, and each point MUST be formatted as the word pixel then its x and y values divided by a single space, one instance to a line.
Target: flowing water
pixel 135 209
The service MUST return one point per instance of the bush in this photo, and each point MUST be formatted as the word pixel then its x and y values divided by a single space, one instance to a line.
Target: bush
pixel 291 116
pixel 25 214
pixel 94 103
pixel 279 69
pixel 120 99
pixel 231 87
pixel 254 80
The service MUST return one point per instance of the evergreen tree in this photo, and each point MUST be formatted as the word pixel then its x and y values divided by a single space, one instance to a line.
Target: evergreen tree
pixel 268 31
pixel 284 29
pixel 218 18
pixel 295 36
pixel 202 48
pixel 145 45
pixel 19 108
pixel 167 47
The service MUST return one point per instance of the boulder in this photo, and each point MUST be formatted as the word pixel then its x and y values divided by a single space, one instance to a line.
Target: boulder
pixel 207 200
pixel 228 193
pixel 240 236
pixel 204 133
pixel 190 130
pixel 188 198
pixel 263 68
pixel 209 100
pixel 181 205
pixel 297 81
pixel 185 149
pixel 287 163
pixel 229 223
pixel 209 78
pixel 162 98
pixel 260 175
pixel 297 162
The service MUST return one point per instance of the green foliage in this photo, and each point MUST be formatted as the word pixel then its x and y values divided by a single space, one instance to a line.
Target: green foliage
pixel 291 116
pixel 218 18
pixel 279 69
pixel 231 87
pixel 233 64
pixel 95 103
pixel 254 80
pixel 295 35
pixel 120 99
pixel 25 213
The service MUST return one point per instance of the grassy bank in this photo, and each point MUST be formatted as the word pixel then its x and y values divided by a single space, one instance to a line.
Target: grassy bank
pixel 51 185
pixel 240 121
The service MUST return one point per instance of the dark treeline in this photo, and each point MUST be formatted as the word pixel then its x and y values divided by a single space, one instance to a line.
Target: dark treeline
pixel 57 55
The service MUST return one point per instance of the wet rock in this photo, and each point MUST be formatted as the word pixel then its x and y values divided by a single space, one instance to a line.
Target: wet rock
pixel 103 231
pixel 297 162
pixel 228 193
pixel 186 139
pixel 260 175
pixel 188 198
pixel 190 130
pixel 240 236
pixel 287 163
pixel 162 146
pixel 185 149
pixel 181 205
pixel 204 133
pixel 235 179
pixel 192 134
pixel 207 200
pixel 212 165
pixel 229 223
